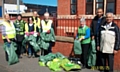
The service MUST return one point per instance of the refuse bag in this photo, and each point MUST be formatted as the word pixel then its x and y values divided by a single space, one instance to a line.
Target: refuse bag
pixel 92 54
pixel 32 40
pixel 55 64
pixel 45 39
pixel 67 65
pixel 77 47
pixel 11 48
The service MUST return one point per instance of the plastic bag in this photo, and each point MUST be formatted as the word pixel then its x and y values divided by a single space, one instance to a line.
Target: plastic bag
pixel 77 47
pixel 10 48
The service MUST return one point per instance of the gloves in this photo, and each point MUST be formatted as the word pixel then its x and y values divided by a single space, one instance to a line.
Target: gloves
pixel 31 33
pixel 27 34
pixel 48 31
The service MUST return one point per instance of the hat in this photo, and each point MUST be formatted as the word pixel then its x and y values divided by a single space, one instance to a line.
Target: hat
pixel 82 19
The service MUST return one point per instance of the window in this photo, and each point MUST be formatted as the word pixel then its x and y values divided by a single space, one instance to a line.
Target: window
pixel 73 7
pixel 110 6
pixel 89 6
pixel 107 5
pixel 99 4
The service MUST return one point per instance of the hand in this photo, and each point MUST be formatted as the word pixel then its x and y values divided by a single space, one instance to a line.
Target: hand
pixel 31 33
pixel 115 52
pixel 93 37
pixel 27 34
pixel 48 31
pixel 9 41
pixel 80 39
pixel 98 48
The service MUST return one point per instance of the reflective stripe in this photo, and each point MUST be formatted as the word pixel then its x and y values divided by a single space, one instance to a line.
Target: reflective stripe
pixel 21 33
pixel 45 26
pixel 10 30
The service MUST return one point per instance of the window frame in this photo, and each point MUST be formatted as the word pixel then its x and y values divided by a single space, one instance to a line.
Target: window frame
pixel 114 6
pixel 92 7
pixel 73 4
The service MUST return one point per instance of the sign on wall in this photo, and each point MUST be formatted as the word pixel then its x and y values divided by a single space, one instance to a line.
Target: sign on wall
pixel 12 8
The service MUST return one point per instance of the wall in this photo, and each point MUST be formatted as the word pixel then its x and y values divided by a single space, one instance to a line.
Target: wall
pixel 67 49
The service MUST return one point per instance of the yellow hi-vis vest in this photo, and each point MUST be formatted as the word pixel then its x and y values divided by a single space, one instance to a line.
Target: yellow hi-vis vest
pixel 46 27
pixel 27 28
pixel 37 22
pixel 10 30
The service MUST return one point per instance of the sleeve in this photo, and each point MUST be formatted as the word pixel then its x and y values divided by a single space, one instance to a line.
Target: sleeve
pixel 117 38
pixel 26 28
pixel 3 30
pixel 38 23
pixel 87 33
pixel 91 28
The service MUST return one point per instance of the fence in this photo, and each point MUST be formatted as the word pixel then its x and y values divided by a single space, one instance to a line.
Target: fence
pixel 68 26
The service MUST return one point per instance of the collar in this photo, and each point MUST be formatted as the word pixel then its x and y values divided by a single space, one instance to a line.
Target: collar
pixel 109 24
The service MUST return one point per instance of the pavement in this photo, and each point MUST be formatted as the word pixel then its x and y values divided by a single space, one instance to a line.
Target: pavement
pixel 27 65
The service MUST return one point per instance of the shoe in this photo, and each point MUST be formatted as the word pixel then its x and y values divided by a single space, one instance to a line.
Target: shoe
pixel 33 56
pixel 29 56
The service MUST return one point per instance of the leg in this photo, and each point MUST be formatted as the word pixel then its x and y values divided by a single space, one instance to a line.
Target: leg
pixel 104 57
pixel 85 48
pixel 29 50
pixel 6 55
pixel 110 62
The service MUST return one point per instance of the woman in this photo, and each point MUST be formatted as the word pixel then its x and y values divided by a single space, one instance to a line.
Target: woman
pixel 30 29
pixel 8 31
pixel 83 35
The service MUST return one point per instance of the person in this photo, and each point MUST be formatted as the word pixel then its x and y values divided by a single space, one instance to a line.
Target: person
pixel 108 42
pixel 30 29
pixel 46 25
pixel 83 34
pixel 20 28
pixel 8 31
pixel 36 20
pixel 98 20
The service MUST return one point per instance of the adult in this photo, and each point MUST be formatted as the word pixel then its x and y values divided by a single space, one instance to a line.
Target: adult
pixel 8 31
pixel 108 42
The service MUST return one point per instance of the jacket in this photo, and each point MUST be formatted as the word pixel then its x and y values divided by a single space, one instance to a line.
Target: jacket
pixel 94 25
pixel 108 38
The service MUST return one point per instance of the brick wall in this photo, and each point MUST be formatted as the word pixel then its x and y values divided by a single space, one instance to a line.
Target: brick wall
pixel 117 7
pixel 63 7
pixel 67 49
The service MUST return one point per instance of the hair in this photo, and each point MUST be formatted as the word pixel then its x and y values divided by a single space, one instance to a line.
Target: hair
pixel 100 8
pixel 29 19
pixel 110 13
pixel 19 15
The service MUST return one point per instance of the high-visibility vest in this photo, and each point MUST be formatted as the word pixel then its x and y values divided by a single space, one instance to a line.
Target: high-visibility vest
pixel 27 27
pixel 10 30
pixel 37 22
pixel 46 27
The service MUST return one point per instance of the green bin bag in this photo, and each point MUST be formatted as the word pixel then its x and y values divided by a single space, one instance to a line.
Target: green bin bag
pixel 10 48
pixel 92 54
pixel 77 47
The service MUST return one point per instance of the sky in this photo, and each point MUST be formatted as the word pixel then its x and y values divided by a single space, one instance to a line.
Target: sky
pixel 42 2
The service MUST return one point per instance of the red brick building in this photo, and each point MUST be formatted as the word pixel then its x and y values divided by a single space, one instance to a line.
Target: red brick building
pixel 87 7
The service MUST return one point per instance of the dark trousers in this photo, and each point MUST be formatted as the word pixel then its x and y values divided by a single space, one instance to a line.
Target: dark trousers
pixel 110 59
pixel 84 55
pixel 6 55
pixel 20 49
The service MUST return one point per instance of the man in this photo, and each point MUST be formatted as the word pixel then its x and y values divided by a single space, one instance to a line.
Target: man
pixel 98 20
pixel 8 31
pixel 108 42
pixel 20 28
pixel 84 37
pixel 46 25
pixel 36 21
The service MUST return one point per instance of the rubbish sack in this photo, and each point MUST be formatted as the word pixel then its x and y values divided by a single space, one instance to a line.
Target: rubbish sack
pixel 67 65
pixel 92 54
pixel 32 40
pixel 11 48
pixel 45 39
pixel 55 64
pixel 77 47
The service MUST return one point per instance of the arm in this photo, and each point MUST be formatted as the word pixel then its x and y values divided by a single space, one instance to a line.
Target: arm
pixel 117 38
pixel 4 33
pixel 87 33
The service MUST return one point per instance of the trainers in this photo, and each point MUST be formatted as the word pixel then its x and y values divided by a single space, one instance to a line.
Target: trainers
pixel 29 56
pixel 33 56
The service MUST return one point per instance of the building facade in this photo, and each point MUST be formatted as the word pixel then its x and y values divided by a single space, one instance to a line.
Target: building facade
pixel 87 7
